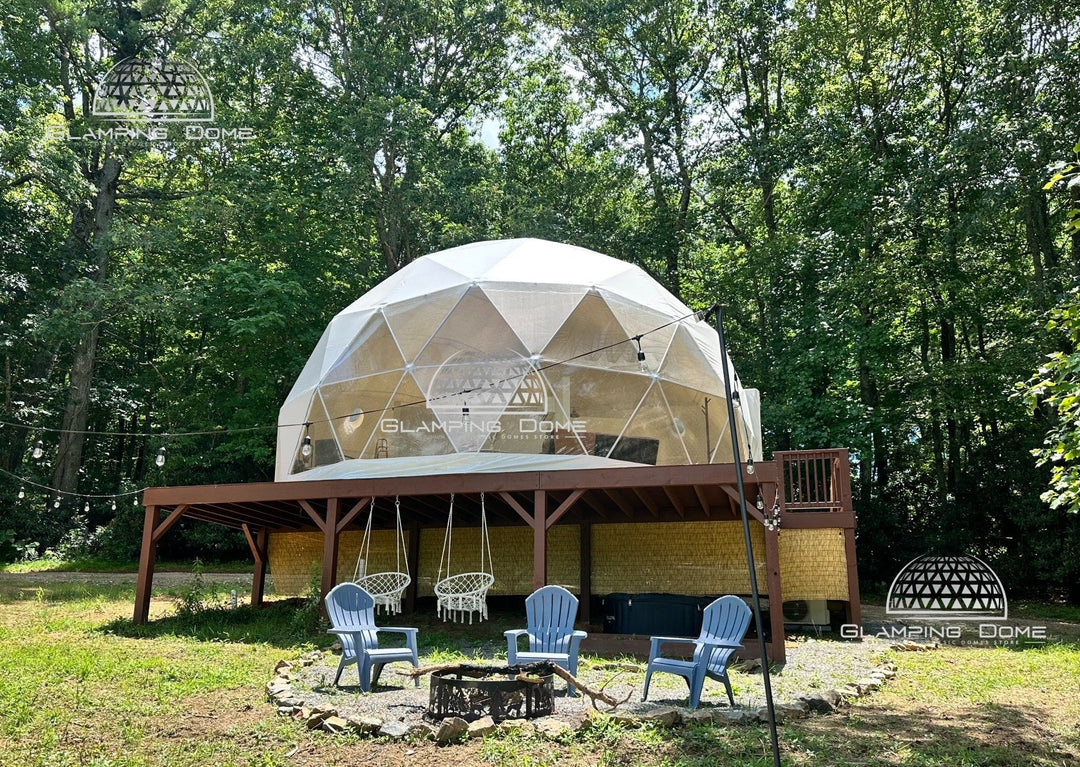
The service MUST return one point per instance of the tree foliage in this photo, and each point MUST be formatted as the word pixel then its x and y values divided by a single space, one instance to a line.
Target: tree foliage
pixel 859 181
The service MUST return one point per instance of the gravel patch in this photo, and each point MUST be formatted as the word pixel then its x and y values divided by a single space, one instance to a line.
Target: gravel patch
pixel 813 666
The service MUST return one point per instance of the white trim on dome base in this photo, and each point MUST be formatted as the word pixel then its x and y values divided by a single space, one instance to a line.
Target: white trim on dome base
pixel 456 463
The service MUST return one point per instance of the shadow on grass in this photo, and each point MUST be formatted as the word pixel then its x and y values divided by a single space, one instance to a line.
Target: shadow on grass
pixel 296 623
pixel 988 735
pixel 284 623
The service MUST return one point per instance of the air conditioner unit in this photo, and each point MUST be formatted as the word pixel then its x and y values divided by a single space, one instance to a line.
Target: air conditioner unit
pixel 806 612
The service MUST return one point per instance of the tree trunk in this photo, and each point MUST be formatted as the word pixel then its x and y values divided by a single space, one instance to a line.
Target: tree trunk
pixel 89 228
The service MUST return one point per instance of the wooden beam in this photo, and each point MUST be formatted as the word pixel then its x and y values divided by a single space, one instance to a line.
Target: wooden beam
pixel 318 520
pixel 700 493
pixel 675 503
pixel 563 508
pixel 513 504
pixel 413 564
pixel 444 484
pixel 802 520
pixel 585 576
pixel 751 509
pixel 258 543
pixel 147 557
pixel 540 539
pixel 778 653
pixel 170 520
pixel 647 502
pixel 624 507
pixel 330 548
pixel 590 501
pixel 351 515
pixel 854 605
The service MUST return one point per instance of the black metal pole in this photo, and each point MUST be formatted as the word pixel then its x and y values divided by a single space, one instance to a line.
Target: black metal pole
pixel 749 545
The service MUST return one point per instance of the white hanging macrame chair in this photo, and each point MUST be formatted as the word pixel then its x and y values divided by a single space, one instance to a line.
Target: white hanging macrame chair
pixel 386 587
pixel 464 593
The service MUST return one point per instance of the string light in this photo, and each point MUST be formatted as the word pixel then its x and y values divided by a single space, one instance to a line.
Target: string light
pixel 114 504
pixel 86 507
pixel 750 466
pixel 641 355
pixel 306 448
pixel 39 450
pixel 22 492
pixel 736 402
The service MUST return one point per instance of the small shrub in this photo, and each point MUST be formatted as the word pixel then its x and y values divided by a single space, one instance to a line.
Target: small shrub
pixel 308 617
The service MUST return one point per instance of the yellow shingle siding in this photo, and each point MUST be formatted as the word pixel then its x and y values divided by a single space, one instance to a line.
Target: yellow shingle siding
pixel 813 564
pixel 694 558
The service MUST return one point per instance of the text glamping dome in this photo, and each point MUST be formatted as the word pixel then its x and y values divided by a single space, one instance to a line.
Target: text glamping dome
pixel 511 355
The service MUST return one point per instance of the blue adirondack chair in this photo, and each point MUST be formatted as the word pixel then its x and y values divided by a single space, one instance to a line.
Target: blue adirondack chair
pixel 723 625
pixel 352 617
pixel 550 613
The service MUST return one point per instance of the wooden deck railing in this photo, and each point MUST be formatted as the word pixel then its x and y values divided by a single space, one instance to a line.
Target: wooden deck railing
pixel 814 480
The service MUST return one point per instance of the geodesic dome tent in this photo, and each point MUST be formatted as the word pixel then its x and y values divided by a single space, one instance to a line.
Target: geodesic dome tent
pixel 511 355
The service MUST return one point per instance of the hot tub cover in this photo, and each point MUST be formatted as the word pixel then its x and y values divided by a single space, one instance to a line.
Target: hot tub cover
pixel 511 355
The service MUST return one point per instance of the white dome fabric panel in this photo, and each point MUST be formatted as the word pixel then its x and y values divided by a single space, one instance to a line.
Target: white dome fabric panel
pixel 510 355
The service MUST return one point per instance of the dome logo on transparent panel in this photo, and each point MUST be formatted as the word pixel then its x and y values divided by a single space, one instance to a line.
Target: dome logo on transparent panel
pixel 486 386
pixel 171 90
pixel 955 588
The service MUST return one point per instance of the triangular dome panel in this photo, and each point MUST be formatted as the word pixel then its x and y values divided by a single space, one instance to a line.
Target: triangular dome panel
pixel 379 353
pixel 413 321
pixel 593 336
pixel 535 315
pixel 356 408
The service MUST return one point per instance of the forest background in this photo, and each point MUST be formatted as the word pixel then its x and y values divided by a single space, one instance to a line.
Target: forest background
pixel 859 182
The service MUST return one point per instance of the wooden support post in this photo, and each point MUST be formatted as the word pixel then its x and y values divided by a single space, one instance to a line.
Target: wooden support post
pixel 147 558
pixel 778 649
pixel 539 526
pixel 414 568
pixel 259 545
pixel 585 563
pixel 854 604
pixel 330 548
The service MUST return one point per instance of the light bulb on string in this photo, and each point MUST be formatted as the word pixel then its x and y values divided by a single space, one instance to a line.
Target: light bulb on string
pixel 39 450
pixel 86 507
pixel 305 450
pixel 22 493
pixel 56 502
pixel 160 460
pixel 749 465
pixel 641 356
pixel 736 401
pixel 135 500
pixel 114 504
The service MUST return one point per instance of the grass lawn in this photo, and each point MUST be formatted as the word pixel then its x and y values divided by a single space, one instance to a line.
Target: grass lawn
pixel 80 685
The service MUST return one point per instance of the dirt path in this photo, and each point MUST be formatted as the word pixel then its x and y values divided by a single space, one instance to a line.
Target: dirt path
pixel 161 579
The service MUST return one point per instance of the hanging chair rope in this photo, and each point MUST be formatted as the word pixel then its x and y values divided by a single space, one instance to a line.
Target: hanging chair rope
pixel 445 555
pixel 464 593
pixel 385 587
pixel 365 546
